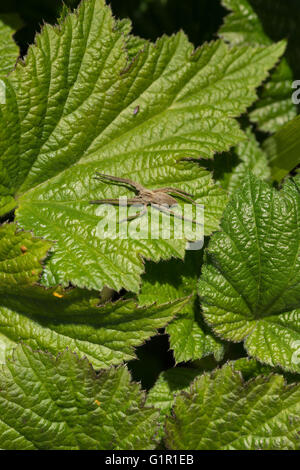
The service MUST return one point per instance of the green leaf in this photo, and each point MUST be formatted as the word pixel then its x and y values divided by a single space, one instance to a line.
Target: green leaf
pixel 71 111
pixel 54 319
pixel 246 156
pixel 60 403
pixel 281 19
pixel 283 149
pixel 8 57
pixel 251 368
pixel 167 386
pixel 134 44
pixel 221 412
pixel 190 338
pixel 275 106
pixel 169 383
pixel 21 257
pixel 242 25
pixel 250 284
pixel 9 23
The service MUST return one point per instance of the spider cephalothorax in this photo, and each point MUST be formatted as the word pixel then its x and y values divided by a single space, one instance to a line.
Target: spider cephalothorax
pixel 158 198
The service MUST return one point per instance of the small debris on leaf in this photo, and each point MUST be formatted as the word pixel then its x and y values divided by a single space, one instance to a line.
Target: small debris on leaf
pixel 56 294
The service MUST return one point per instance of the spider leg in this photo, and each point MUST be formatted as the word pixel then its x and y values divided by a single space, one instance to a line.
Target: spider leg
pixel 179 193
pixel 116 179
pixel 169 211
pixel 172 190
pixel 117 201
pixel 107 201
pixel 187 198
pixel 135 216
pixel 128 202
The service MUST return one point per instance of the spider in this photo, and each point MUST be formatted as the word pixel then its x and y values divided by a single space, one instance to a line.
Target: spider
pixel 160 198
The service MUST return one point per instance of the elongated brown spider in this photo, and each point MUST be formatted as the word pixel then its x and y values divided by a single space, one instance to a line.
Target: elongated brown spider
pixel 159 198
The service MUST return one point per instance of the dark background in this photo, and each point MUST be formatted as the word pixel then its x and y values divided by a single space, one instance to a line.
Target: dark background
pixel 200 19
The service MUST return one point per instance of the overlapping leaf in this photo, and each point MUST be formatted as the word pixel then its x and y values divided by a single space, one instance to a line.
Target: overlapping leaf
pixel 106 334
pixel 283 149
pixel 251 368
pixel 53 319
pixel 190 338
pixel 281 19
pixel 230 168
pixel 169 384
pixel 9 50
pixel 250 285
pixel 221 412
pixel 60 403
pixel 71 111
pixel 275 106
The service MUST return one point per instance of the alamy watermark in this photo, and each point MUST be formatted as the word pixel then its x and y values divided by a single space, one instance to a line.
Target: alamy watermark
pixel 154 222
pixel 296 94
pixel 296 354
pixel 2 92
